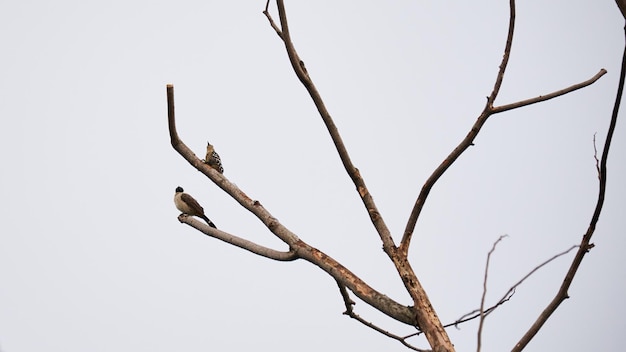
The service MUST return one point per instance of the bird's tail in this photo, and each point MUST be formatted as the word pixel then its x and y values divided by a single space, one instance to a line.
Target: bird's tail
pixel 209 222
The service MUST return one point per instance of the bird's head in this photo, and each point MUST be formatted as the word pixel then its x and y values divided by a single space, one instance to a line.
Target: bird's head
pixel 179 189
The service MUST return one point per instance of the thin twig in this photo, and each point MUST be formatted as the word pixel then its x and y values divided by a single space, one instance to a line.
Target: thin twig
pixel 507 296
pixel 468 316
pixel 476 312
pixel 505 58
pixel 541 98
pixel 512 288
pixel 269 18
pixel 595 156
pixel 482 299
pixel 349 303
pixel 585 244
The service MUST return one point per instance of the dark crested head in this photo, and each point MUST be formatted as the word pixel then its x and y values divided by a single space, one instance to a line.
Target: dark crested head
pixel 179 189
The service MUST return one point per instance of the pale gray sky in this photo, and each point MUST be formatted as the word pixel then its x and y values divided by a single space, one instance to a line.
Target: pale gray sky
pixel 92 257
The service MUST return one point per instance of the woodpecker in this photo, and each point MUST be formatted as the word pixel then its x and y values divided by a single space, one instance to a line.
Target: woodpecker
pixel 187 205
pixel 213 159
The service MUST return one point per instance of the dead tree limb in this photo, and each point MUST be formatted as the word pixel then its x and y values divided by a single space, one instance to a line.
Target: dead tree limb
pixel 421 314
pixel 465 143
pixel 427 319
pixel 301 250
pixel 585 244
pixel 482 119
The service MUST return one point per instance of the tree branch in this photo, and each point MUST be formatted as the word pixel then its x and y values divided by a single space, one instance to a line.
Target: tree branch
pixel 349 303
pixel 426 317
pixel 237 241
pixel 271 20
pixel 302 250
pixel 482 299
pixel 465 143
pixel 506 297
pixel 480 121
pixel 585 244
pixel 353 172
pixel 541 98
pixel 505 58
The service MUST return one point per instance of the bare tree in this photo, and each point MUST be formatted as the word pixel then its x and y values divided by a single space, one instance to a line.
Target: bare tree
pixel 420 314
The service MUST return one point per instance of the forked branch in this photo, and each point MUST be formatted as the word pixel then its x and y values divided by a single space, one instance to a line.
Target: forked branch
pixel 465 143
pixel 298 249
pixel 425 315
pixel 482 119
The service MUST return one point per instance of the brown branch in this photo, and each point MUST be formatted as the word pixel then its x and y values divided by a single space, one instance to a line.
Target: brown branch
pixel 595 156
pixel 541 98
pixel 426 317
pixel 480 121
pixel 505 58
pixel 482 299
pixel 476 312
pixel 349 303
pixel 302 250
pixel 507 296
pixel 585 244
pixel 269 18
pixel 353 172
pixel 238 241
pixel 465 143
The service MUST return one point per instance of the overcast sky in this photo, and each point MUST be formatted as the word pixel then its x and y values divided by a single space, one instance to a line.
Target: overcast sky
pixel 93 258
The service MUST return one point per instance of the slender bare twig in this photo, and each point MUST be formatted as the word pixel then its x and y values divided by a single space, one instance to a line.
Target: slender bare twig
pixel 477 313
pixel 349 303
pixel 269 18
pixel 469 316
pixel 467 141
pixel 386 305
pixel 482 299
pixel 541 98
pixel 585 244
pixel 507 296
pixel 505 58
pixel 595 156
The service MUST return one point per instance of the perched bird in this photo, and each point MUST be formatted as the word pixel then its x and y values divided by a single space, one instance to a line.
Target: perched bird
pixel 213 159
pixel 187 205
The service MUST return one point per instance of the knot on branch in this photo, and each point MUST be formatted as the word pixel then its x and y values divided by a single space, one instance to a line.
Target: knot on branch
pixel 272 224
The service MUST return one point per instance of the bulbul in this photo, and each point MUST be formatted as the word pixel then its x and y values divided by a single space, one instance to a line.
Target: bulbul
pixel 213 159
pixel 187 205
